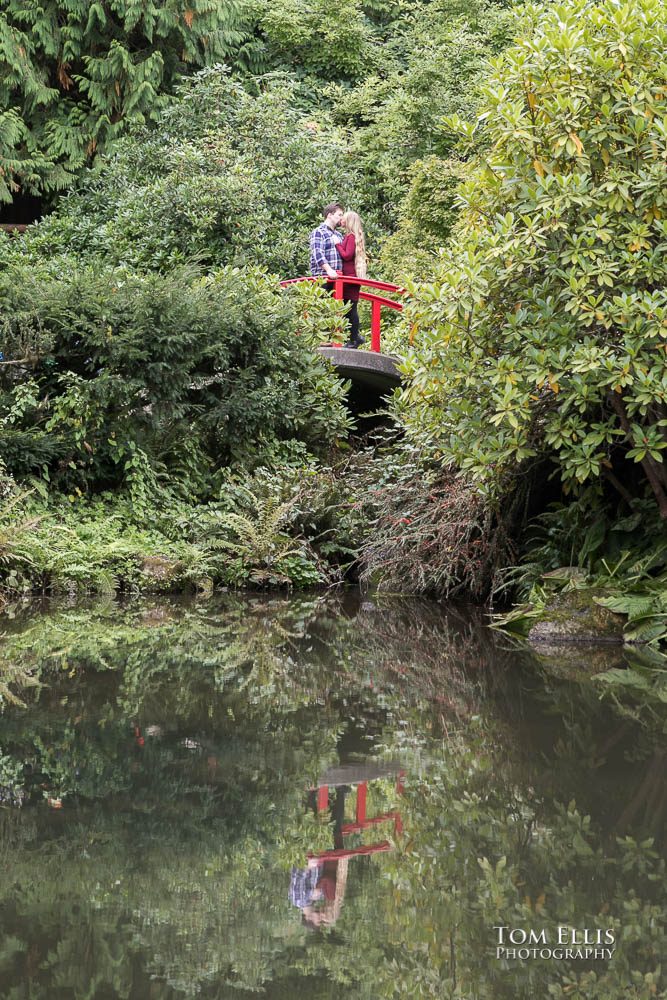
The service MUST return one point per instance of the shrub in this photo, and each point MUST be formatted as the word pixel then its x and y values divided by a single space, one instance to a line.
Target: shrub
pixel 136 375
pixel 544 333
pixel 434 533
pixel 431 68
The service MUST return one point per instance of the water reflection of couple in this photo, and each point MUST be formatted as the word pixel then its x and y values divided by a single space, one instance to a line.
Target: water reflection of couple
pixel 332 252
pixel 318 890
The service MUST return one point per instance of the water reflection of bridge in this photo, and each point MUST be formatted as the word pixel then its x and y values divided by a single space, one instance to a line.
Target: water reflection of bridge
pixel 346 776
pixel 319 889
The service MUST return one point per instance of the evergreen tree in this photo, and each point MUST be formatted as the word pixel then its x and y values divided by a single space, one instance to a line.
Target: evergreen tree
pixel 75 73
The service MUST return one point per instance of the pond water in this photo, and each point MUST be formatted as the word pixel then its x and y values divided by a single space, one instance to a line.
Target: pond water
pixel 327 798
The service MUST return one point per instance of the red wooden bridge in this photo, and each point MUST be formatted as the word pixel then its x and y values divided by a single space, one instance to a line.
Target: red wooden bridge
pixel 370 368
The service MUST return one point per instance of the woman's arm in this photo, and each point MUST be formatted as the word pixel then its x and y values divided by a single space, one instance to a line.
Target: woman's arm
pixel 347 247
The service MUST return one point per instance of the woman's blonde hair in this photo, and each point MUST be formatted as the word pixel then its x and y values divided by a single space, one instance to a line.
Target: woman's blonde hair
pixel 352 223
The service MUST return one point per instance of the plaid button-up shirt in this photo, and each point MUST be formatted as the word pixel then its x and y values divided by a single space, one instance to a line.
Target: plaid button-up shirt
pixel 323 242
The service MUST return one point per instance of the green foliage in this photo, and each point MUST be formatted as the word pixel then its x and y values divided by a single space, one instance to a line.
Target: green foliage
pixel 554 302
pixel 154 386
pixel 254 529
pixel 586 546
pixel 69 547
pixel 432 63
pixel 294 523
pixel 11 771
pixel 427 216
pixel 17 527
pixel 591 535
pixel 314 40
pixel 13 133
pixel 74 75
pixel 429 531
pixel 646 611
pixel 223 176
pixel 138 376
pixel 290 525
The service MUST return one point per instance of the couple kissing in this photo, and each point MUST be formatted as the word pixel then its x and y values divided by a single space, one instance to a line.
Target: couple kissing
pixel 333 253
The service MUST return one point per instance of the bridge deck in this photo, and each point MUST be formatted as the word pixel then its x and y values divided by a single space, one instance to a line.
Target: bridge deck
pixel 367 368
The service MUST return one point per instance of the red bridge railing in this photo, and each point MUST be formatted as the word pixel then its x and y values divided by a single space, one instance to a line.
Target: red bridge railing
pixel 378 302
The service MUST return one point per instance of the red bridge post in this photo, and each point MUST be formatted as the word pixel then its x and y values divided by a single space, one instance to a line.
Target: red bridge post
pixel 375 325
pixel 361 802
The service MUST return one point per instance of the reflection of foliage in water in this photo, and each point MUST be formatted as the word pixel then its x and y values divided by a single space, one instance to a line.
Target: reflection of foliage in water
pixel 171 859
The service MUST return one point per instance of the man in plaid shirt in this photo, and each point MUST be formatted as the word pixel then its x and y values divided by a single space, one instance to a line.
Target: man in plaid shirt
pixel 324 259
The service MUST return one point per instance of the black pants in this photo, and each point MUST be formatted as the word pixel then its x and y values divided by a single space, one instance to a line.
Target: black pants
pixel 352 316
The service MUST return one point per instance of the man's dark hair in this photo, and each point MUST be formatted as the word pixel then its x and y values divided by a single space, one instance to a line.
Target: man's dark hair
pixel 329 209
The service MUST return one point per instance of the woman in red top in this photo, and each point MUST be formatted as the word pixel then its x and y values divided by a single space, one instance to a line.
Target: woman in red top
pixel 352 250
